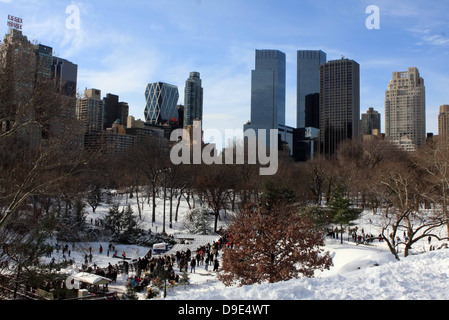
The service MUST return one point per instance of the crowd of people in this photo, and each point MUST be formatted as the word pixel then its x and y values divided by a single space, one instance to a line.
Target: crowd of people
pixel 171 267
pixel 355 235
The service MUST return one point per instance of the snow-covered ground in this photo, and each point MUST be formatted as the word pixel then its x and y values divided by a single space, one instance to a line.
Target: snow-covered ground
pixel 366 272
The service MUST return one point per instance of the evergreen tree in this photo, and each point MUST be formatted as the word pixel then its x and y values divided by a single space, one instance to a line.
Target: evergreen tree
pixel 129 223
pixel 72 223
pixel 199 221
pixel 121 223
pixel 275 193
pixel 342 212
pixel 113 220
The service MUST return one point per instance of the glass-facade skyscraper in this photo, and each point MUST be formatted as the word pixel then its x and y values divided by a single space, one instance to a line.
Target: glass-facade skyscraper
pixel 66 74
pixel 193 99
pixel 268 91
pixel 339 103
pixel 161 103
pixel 308 80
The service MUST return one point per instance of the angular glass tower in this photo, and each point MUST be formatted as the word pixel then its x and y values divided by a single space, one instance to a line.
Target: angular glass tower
pixel 193 99
pixel 161 103
pixel 308 80
pixel 268 91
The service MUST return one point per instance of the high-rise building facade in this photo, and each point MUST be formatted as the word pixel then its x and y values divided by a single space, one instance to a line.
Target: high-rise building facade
pixel 193 99
pixel 66 74
pixel 443 122
pixel 370 121
pixel 90 111
pixel 114 110
pixel 161 103
pixel 312 110
pixel 44 56
pixel 268 91
pixel 405 107
pixel 308 80
pixel 27 66
pixel 339 103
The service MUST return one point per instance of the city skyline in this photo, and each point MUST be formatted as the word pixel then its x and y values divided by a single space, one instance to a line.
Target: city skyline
pixel 168 40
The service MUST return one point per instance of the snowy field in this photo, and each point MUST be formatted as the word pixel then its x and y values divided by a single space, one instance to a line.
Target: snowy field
pixel 360 272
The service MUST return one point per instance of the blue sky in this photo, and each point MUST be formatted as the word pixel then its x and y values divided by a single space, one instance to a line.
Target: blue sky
pixel 121 46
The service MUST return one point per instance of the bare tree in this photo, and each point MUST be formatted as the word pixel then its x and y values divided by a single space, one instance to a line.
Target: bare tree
pixel 150 158
pixel 214 183
pixel 433 159
pixel 401 185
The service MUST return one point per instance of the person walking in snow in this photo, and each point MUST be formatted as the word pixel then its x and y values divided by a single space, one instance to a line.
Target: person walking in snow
pixel 216 264
pixel 192 265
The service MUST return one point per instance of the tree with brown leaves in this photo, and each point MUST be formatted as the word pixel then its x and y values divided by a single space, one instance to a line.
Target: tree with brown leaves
pixel 272 246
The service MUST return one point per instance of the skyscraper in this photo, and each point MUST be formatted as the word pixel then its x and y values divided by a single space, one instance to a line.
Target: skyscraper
pixel 65 73
pixel 339 103
pixel 90 111
pixel 312 110
pixel 443 122
pixel 28 67
pixel 44 57
pixel 370 121
pixel 193 99
pixel 161 103
pixel 308 80
pixel 114 110
pixel 268 91
pixel 405 107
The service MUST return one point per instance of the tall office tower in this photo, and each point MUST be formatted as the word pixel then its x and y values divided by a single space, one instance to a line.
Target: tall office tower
pixel 405 107
pixel 339 103
pixel 312 110
pixel 114 110
pixel 268 92
pixel 24 66
pixel 308 80
pixel 90 111
pixel 161 103
pixel 17 81
pixel 443 122
pixel 193 99
pixel 370 121
pixel 18 65
pixel 44 56
pixel 65 73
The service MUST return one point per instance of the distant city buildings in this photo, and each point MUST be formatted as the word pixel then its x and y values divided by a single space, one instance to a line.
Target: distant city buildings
pixel 327 103
pixel 370 122
pixel 28 69
pixel 443 122
pixel 405 107
pixel 114 110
